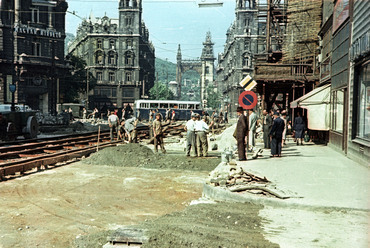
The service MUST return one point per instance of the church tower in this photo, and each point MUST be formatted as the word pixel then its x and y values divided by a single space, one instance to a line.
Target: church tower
pixel 130 12
pixel 207 58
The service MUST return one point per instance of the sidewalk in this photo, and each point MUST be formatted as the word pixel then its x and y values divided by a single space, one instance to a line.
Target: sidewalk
pixel 329 205
pixel 315 175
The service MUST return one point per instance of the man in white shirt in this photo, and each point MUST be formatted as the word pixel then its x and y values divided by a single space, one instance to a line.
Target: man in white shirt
pixel 113 124
pixel 252 128
pixel 190 135
pixel 201 129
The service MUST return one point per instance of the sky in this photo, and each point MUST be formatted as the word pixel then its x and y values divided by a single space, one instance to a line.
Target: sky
pixel 170 22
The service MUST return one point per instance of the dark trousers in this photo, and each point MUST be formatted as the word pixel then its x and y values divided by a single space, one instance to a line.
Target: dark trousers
pixel 113 128
pixel 158 140
pixel 276 145
pixel 266 139
pixel 241 148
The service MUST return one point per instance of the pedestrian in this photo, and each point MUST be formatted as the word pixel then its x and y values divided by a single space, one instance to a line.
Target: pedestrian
pixel 201 130
pixel 3 127
pixel 158 133
pixel 70 111
pixel 252 129
pixel 113 124
pixel 84 114
pixel 173 115
pixel 299 127
pixel 267 125
pixel 284 118
pixel 241 131
pixel 168 114
pixel 190 136
pixel 226 120
pixel 276 134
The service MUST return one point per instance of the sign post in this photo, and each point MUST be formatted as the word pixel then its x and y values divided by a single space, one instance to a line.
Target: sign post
pixel 248 99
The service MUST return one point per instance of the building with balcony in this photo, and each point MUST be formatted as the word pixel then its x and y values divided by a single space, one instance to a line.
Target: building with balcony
pixel 119 54
pixel 32 36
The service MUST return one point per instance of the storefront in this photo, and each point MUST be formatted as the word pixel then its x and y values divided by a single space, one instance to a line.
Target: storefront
pixel 359 104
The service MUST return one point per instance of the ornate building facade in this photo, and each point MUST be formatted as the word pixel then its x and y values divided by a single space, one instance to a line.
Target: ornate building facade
pixel 119 54
pixel 204 66
pixel 32 36
pixel 236 61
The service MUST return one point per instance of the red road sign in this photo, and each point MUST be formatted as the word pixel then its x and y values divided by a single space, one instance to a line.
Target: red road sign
pixel 248 99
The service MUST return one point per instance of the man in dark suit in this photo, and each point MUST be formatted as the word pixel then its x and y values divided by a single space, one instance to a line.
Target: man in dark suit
pixel 276 134
pixel 267 125
pixel 241 132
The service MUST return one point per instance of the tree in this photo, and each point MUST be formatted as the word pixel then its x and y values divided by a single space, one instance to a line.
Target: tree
pixel 160 91
pixel 213 97
pixel 75 84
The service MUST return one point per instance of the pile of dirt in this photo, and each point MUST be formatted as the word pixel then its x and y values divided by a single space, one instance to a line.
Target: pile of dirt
pixel 202 225
pixel 136 155
pixel 209 225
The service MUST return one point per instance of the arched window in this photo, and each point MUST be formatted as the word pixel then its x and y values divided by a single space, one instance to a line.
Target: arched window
pixel 99 57
pixel 129 59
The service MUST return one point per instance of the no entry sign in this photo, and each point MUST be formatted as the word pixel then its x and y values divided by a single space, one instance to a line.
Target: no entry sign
pixel 248 99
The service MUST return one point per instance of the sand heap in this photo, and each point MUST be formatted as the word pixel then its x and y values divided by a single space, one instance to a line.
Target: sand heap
pixel 136 155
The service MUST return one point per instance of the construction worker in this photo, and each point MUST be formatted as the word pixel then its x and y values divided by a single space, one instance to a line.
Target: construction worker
pixel 158 133
pixel 190 135
pixel 201 130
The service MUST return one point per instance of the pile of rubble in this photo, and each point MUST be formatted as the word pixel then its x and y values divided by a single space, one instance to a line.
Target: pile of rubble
pixel 229 174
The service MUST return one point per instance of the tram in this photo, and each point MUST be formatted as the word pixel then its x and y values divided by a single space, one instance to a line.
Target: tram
pixel 183 109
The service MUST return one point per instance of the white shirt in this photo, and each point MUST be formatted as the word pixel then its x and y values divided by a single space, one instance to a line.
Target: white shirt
pixel 201 126
pixel 190 125
pixel 113 118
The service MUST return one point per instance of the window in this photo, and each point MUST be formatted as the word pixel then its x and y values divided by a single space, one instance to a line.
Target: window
pixel 112 77
pixel 128 21
pixel 36 49
pixel 99 44
pixel 153 105
pixel 128 92
pixel 129 59
pixel 99 76
pixel 163 105
pixel 35 15
pixel 128 44
pixel 112 58
pixel 128 76
pixel 99 57
pixel 337 110
pixel 144 105
pixel 182 106
pixel 112 44
pixel 363 104
pixel 106 92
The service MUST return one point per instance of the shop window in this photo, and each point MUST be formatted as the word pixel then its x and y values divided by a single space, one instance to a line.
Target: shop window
pixel 128 93
pixel 337 110
pixel 36 49
pixel 363 104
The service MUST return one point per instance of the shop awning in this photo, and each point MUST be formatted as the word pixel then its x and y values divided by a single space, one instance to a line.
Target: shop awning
pixel 319 95
pixel 317 103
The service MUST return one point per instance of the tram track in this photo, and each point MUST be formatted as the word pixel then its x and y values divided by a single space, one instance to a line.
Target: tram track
pixel 43 153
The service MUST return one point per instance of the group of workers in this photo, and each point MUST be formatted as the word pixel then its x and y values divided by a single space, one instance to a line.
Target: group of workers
pixel 196 135
pixel 125 129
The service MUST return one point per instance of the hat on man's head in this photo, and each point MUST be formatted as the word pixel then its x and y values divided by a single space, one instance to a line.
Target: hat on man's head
pixel 193 115
pixel 276 113
pixel 239 109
